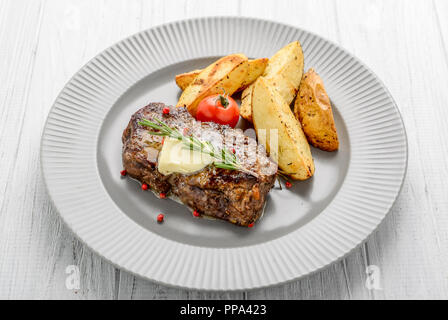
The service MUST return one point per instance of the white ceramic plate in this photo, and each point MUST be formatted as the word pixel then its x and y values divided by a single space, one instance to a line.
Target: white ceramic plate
pixel 303 229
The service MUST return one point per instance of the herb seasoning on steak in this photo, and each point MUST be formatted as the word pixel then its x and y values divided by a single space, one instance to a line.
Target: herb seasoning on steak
pixel 230 195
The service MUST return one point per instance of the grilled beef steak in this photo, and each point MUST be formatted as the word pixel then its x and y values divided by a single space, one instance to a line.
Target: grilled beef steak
pixel 229 195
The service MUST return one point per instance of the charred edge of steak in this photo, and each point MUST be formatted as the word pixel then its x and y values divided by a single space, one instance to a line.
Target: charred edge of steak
pixel 229 195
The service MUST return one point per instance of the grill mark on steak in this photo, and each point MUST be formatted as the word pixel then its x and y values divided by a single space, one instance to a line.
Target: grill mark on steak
pixel 229 195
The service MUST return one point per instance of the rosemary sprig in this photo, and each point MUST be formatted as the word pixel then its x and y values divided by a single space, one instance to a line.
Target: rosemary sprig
pixel 223 158
pixel 284 174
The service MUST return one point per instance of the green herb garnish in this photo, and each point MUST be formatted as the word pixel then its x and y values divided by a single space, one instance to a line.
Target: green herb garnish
pixel 223 158
pixel 224 101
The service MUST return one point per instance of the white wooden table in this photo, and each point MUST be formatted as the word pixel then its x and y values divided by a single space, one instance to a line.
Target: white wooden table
pixel 44 42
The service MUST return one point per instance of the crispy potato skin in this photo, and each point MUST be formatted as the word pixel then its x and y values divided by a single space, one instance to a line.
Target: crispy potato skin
pixel 246 103
pixel 271 114
pixel 283 73
pixel 255 68
pixel 227 74
pixel 313 109
pixel 183 80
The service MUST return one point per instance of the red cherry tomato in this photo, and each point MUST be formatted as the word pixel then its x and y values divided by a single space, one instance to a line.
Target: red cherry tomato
pixel 220 109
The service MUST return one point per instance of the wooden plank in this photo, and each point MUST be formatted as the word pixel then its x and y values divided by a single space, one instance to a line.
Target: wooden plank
pixel 440 14
pixel 400 41
pixel 48 41
pixel 383 35
pixel 45 42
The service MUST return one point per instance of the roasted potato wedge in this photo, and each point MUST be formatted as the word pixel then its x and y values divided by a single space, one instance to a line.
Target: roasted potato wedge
pixel 280 132
pixel 283 72
pixel 255 68
pixel 246 103
pixel 227 74
pixel 313 109
pixel 183 80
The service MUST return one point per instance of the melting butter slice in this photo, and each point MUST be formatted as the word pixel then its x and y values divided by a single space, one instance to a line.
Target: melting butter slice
pixel 175 158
